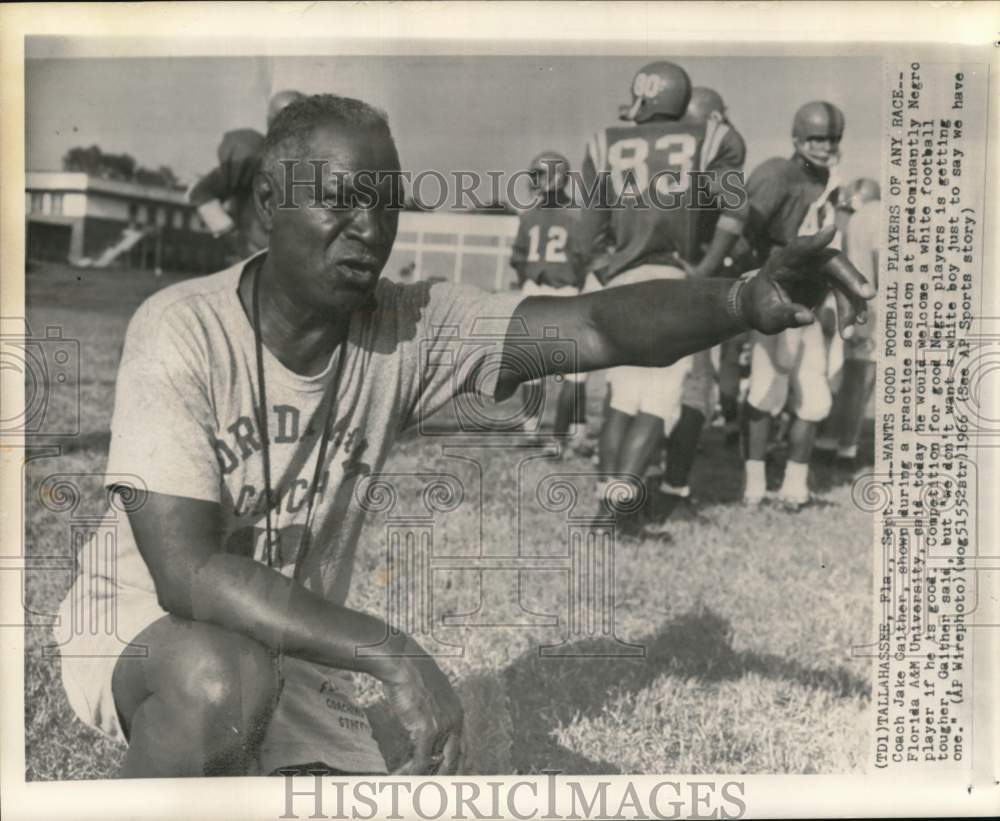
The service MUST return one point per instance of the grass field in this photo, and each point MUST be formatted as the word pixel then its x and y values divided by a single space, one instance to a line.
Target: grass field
pixel 747 617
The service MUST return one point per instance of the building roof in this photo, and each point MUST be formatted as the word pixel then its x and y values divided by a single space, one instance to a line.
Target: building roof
pixel 78 181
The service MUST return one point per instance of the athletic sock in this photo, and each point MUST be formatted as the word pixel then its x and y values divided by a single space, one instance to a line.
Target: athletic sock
pixel 796 482
pixel 756 478
pixel 682 492
pixel 826 443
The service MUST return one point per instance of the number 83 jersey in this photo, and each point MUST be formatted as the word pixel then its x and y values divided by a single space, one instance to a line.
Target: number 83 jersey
pixel 647 197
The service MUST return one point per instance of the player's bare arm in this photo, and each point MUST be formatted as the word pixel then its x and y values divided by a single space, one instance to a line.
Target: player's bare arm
pixel 726 233
pixel 180 540
pixel 655 323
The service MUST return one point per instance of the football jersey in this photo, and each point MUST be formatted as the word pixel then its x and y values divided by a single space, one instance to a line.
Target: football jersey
pixel 787 197
pixel 544 247
pixel 661 225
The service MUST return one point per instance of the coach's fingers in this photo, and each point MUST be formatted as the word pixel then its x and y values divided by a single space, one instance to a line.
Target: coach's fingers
pixel 845 278
pixel 452 754
pixel 849 312
pixel 406 768
pixel 425 759
pixel 415 765
pixel 421 762
pixel 793 315
pixel 805 249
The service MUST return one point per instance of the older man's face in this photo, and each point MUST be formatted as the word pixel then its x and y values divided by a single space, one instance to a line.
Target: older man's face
pixel 331 243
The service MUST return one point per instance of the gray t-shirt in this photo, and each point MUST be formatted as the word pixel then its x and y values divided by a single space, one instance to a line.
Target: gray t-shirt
pixel 185 424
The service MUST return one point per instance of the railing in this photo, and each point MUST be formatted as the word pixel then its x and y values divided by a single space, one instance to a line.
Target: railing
pixel 471 248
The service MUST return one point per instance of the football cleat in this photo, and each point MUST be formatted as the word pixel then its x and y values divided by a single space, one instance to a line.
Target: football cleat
pixel 792 503
pixel 657 531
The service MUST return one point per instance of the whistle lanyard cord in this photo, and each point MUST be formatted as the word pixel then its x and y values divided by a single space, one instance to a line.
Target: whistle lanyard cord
pixel 326 414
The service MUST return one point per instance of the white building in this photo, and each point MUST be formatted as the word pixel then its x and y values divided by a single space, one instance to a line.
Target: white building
pixel 77 218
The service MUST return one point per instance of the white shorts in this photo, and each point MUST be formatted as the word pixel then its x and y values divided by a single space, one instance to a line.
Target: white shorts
pixel 591 284
pixel 95 628
pixel 532 288
pixel 794 360
pixel 656 391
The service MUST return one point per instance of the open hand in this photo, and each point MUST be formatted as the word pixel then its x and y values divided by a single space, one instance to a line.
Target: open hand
pixel 795 280
pixel 423 699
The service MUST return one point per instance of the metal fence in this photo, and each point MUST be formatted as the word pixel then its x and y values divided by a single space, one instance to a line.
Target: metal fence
pixel 470 248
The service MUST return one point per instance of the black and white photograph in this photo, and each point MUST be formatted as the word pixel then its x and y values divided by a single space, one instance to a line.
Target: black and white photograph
pixel 399 412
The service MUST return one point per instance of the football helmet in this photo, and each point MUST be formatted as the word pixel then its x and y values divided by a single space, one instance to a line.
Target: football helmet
pixel 660 88
pixel 860 191
pixel 816 131
pixel 547 172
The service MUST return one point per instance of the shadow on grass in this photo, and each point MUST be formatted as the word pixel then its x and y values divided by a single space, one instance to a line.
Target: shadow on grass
pixel 543 693
pixel 717 477
pixel 537 695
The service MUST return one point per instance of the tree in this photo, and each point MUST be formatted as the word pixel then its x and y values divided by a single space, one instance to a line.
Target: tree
pixel 162 176
pixel 93 161
pixel 168 176
pixel 85 160
pixel 118 166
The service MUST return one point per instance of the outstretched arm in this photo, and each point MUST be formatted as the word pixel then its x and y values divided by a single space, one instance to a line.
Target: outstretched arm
pixel 655 323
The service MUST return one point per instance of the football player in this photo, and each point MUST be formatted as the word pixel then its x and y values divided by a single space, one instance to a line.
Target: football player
pixel 224 196
pixel 790 197
pixel 649 188
pixel 862 204
pixel 716 244
pixel 546 263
